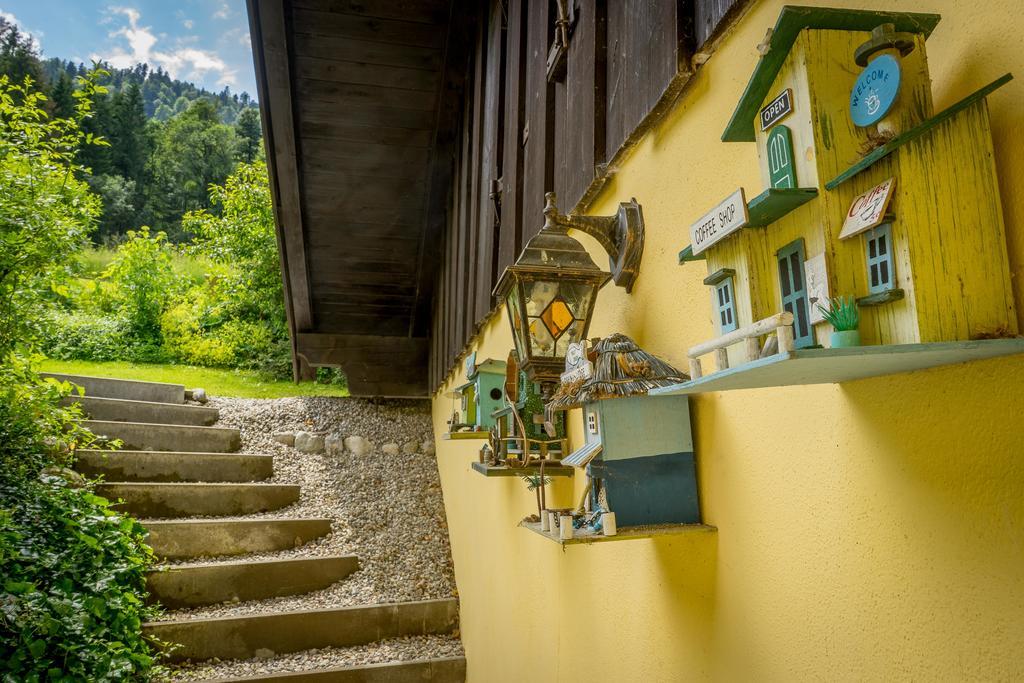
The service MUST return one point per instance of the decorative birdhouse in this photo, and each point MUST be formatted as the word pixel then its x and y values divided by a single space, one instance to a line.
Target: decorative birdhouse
pixel 482 394
pixel 869 193
pixel 639 449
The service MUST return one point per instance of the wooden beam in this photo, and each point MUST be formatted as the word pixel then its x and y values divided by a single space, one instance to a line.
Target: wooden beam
pixel 273 76
pixel 374 365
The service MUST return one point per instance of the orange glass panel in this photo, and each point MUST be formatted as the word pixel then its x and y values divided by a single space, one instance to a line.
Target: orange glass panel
pixel 557 317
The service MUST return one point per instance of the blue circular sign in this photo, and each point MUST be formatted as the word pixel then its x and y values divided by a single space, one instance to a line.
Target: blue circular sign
pixel 875 91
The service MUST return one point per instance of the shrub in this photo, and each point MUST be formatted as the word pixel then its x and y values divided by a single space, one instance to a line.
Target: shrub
pixel 143 281
pixel 46 212
pixel 79 335
pixel 72 598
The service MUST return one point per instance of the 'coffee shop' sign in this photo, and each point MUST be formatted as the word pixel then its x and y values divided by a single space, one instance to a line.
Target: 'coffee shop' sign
pixel 720 222
pixel 867 210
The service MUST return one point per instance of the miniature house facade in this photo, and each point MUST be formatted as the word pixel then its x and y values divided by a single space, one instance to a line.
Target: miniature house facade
pixel 638 449
pixel 931 264
pixel 482 394
pixel 642 463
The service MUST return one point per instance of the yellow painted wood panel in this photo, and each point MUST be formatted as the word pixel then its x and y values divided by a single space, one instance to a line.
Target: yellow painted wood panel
pixel 949 197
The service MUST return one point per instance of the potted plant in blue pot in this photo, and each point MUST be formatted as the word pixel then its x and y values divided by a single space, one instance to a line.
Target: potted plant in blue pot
pixel 842 314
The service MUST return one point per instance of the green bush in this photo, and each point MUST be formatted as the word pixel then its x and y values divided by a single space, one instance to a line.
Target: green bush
pixel 72 598
pixel 46 212
pixel 143 280
pixel 80 335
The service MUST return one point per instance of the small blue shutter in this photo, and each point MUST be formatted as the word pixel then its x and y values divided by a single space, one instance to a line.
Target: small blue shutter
pixel 726 306
pixel 878 243
pixel 793 286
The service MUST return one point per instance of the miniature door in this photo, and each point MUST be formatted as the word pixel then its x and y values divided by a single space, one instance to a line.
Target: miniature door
pixel 793 289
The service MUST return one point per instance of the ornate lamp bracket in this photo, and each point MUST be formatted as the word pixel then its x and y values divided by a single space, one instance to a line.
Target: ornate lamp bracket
pixel 621 235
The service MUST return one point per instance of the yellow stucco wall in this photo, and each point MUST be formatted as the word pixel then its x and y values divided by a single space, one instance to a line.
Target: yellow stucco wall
pixel 868 531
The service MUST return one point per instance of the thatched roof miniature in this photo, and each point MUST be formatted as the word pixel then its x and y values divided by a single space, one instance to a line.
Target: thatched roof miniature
pixel 622 369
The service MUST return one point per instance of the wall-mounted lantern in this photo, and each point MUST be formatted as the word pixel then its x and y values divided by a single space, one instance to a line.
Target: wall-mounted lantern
pixel 550 290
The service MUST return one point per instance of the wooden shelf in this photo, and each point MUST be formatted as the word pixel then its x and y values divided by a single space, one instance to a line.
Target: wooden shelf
pixel 631 533
pixel 916 132
pixel 455 436
pixel 833 366
pixel 686 255
pixel 503 471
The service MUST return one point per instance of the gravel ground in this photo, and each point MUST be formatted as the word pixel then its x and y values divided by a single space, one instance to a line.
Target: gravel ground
pixel 386 510
pixel 397 649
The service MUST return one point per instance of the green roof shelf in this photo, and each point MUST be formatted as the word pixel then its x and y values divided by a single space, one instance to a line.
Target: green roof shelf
pixel 916 132
pixel 792 20
pixel 686 255
pixel 774 203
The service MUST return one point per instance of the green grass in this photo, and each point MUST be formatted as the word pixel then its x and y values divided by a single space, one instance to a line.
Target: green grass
pixel 217 382
pixel 191 268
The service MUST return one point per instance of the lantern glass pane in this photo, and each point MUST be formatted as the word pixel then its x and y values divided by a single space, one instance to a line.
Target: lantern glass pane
pixel 541 341
pixel 539 295
pixel 557 317
pixel 572 335
pixel 516 320
pixel 578 296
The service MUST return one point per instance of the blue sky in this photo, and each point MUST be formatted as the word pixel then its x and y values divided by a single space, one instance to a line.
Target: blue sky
pixel 203 41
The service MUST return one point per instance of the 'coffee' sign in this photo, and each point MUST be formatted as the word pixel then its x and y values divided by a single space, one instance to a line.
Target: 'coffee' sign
pixel 720 222
pixel 777 109
pixel 868 210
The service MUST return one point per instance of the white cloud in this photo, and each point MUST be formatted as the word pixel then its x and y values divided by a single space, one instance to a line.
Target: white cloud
pixel 188 23
pixel 223 10
pixel 182 60
pixel 35 36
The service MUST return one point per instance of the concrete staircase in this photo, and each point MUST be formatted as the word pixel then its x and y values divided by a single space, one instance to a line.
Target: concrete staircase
pixel 179 465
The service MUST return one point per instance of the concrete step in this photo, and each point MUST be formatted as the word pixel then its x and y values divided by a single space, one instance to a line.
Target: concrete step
pixel 171 466
pixel 174 540
pixel 146 436
pixel 283 632
pixel 124 410
pixel 133 390
pixel 158 499
pixel 191 585
pixel 439 670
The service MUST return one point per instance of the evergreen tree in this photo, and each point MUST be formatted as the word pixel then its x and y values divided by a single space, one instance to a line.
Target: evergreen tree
pixel 250 135
pixel 62 100
pixel 18 56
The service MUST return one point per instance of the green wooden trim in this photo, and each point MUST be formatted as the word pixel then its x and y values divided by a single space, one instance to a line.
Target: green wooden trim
pixel 719 276
pixel 791 21
pixel 888 296
pixel 774 203
pixel 503 471
pixel 916 132
pixel 686 255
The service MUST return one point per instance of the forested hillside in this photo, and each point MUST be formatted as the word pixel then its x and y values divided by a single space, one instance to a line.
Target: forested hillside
pixel 165 141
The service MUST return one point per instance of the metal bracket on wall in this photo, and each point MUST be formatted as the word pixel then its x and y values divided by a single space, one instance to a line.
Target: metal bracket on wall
pixel 621 235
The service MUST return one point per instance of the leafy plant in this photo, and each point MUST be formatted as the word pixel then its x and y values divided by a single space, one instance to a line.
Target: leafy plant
pixel 72 571
pixel 46 212
pixel 144 280
pixel 841 313
pixel 536 483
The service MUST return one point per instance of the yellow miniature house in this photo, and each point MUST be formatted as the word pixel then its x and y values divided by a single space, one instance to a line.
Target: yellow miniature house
pixel 901 212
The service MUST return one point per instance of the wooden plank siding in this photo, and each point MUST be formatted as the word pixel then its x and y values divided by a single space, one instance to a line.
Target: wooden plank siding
pixel 411 142
pixel 580 101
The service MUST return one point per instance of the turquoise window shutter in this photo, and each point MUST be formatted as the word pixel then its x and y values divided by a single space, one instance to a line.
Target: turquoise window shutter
pixel 793 286
pixel 878 245
pixel 726 306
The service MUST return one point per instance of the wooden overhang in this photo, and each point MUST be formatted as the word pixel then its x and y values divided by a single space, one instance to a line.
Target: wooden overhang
pixel 358 118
